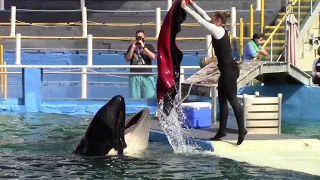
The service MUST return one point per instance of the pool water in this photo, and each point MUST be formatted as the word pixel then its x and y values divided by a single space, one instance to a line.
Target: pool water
pixel 35 145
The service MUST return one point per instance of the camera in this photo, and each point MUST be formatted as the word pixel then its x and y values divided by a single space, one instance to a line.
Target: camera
pixel 138 38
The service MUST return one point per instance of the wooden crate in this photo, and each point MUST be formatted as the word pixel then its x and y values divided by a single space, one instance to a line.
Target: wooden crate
pixel 262 114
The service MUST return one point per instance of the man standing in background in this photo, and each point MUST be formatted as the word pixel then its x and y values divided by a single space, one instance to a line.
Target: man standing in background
pixel 141 53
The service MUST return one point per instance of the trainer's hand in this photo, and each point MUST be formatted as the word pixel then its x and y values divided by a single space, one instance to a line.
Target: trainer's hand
pixel 190 2
pixel 183 3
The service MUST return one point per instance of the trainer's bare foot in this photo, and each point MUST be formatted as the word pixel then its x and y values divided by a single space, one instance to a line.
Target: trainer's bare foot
pixel 218 136
pixel 241 136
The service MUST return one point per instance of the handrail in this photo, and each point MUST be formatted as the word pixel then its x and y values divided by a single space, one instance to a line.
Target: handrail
pixel 102 38
pixel 85 49
pixel 91 23
pixel 89 67
pixel 117 11
pixel 276 28
pixel 274 31
pixel 1 69
pixel 5 81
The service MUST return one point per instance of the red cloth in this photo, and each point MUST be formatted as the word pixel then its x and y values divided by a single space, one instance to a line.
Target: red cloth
pixel 169 56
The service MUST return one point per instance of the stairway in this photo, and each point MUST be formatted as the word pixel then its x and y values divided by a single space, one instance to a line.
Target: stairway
pixel 278 42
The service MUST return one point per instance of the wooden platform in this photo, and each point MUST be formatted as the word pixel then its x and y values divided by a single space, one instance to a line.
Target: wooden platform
pixel 207 78
pixel 207 133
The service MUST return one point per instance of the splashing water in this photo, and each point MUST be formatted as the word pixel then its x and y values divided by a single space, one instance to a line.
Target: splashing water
pixel 172 125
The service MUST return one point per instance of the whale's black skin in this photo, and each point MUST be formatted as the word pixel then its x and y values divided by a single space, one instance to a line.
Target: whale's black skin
pixel 106 130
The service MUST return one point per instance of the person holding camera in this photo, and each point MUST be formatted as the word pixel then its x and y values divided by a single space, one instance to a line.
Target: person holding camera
pixel 141 53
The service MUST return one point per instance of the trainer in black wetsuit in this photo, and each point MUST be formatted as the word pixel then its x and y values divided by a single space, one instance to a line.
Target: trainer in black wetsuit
pixel 316 70
pixel 227 85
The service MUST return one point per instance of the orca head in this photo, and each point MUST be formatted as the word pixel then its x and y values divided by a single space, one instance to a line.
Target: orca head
pixel 106 130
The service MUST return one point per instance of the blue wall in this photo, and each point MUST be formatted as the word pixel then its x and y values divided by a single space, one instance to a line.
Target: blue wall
pixel 299 101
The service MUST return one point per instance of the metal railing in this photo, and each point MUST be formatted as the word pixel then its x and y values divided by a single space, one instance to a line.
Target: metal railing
pixel 289 9
pixel 3 74
pixel 85 23
pixel 89 37
pixel 83 70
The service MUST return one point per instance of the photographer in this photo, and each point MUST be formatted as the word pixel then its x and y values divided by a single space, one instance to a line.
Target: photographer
pixel 141 53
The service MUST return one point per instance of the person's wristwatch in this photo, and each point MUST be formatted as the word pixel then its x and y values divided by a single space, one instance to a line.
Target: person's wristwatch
pixel 144 47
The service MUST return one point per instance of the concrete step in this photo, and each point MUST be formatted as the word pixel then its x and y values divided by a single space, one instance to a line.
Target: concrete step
pixel 302 8
pixel 275 34
pixel 274 48
pixel 306 1
pixel 273 27
pixel 276 41
pixel 295 13
pixel 301 19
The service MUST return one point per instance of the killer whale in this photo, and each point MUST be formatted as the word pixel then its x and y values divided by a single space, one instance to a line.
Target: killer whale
pixel 105 131
pixel 110 134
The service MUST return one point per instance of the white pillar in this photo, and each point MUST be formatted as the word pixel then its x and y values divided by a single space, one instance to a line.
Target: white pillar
pixel 258 5
pixel 84 22
pixel 181 75
pixel 182 78
pixel 209 45
pixel 2 4
pixel 169 4
pixel 82 4
pixel 13 21
pixel 89 50
pixel 233 22
pixel 84 83
pixel 158 21
pixel 18 49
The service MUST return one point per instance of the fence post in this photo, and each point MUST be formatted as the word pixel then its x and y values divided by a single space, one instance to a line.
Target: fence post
pixel 158 21
pixel 5 81
pixel 182 78
pixel 2 4
pixel 13 21
pixel 251 21
pixel 258 6
pixel 209 45
pixel 241 38
pixel 89 50
pixel 280 112
pixel 1 69
pixel 214 104
pixel 18 48
pixel 233 22
pixel 262 16
pixel 84 83
pixel 31 82
pixel 82 4
pixel 169 4
pixel 84 22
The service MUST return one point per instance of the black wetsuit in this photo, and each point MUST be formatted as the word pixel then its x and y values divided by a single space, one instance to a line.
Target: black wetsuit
pixel 316 80
pixel 227 84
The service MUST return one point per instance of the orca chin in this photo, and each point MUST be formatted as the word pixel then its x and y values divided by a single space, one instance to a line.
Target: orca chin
pixel 137 131
pixel 109 133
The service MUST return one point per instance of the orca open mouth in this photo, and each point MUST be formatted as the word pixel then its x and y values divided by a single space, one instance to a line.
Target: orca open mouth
pixel 135 120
